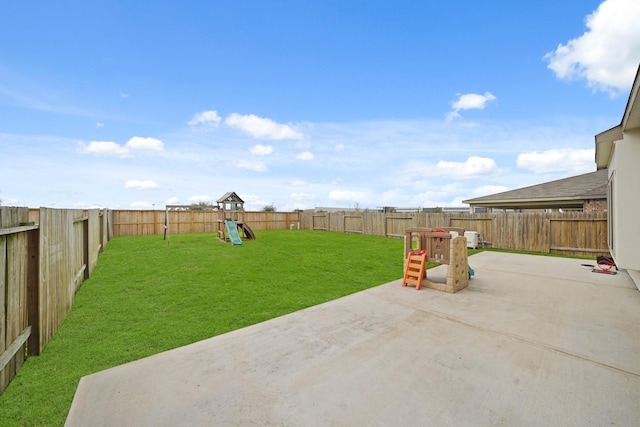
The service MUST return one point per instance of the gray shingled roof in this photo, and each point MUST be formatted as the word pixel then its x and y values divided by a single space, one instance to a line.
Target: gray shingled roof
pixel 581 187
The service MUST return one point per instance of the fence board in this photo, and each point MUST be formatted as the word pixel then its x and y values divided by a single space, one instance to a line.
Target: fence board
pixel 578 236
pixel 271 220
pixel 396 224
pixel 4 375
pixel 107 225
pixel 63 264
pixel 335 221
pixel 94 239
pixel 353 224
pixel 320 222
pixel 13 291
pixel 16 301
pixel 15 348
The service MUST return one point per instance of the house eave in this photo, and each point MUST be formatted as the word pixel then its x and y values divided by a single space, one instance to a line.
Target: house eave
pixel 552 202
pixel 630 120
pixel 569 199
pixel 631 117
pixel 604 145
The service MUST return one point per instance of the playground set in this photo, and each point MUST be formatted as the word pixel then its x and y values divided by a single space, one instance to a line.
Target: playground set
pixel 446 246
pixel 231 225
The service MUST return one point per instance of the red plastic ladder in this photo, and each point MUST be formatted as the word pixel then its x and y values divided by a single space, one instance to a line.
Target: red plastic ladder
pixel 414 272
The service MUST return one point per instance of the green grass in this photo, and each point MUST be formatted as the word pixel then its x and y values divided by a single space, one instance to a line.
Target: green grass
pixel 145 297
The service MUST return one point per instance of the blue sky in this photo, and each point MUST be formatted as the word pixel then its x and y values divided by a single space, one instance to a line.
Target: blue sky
pixel 303 104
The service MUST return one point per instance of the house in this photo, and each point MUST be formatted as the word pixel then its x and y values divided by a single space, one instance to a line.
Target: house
pixel 586 192
pixel 618 152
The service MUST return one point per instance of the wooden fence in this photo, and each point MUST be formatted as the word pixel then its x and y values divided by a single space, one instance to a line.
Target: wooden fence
pixel 571 233
pixel 149 222
pixel 45 255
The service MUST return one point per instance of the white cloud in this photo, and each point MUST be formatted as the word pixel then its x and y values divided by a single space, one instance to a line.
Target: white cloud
pixel 302 196
pixel 349 196
pixel 607 54
pixel 110 148
pixel 303 144
pixel 172 201
pixel 305 156
pixel 452 187
pixel 483 190
pixel 141 205
pixel 254 166
pixel 208 118
pixel 140 185
pixel 472 101
pixel 261 150
pixel 103 148
pixel 147 144
pixel 259 127
pixel 99 125
pixel 488 189
pixel 473 167
pixel 199 198
pixel 393 197
pixel 448 194
pixel 558 160
pixel 87 205
pixel 9 201
pixel 469 101
pixel 124 95
pixel 252 199
pixel 298 183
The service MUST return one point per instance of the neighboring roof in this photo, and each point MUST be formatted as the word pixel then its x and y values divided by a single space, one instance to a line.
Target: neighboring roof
pixel 630 120
pixel 231 196
pixel 567 192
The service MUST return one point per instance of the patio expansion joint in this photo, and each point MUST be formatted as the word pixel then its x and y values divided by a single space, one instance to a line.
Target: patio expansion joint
pixel 527 341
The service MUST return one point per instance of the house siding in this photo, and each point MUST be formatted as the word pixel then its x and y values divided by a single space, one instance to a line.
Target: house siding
pixel 626 227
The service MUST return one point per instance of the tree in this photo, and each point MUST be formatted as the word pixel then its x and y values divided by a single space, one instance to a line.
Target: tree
pixel 269 208
pixel 201 206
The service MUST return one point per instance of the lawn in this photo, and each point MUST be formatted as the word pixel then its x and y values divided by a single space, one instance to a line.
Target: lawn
pixel 145 297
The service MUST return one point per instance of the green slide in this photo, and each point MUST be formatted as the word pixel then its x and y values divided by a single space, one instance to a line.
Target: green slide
pixel 233 232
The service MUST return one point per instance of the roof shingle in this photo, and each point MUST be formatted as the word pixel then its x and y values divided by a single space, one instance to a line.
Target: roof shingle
pixel 591 185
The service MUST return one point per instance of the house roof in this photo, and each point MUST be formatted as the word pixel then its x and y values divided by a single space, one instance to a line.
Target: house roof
pixel 630 120
pixel 567 192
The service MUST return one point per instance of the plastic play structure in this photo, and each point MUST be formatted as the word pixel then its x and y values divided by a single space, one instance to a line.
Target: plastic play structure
pixel 231 227
pixel 445 245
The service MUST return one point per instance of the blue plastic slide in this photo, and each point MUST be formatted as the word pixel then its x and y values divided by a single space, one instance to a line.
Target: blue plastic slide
pixel 233 232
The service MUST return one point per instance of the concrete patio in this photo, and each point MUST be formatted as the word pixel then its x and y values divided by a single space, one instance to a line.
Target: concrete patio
pixel 533 341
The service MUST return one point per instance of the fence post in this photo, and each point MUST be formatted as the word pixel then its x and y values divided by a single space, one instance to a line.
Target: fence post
pixel 101 229
pixel 85 247
pixel 33 286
